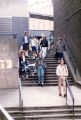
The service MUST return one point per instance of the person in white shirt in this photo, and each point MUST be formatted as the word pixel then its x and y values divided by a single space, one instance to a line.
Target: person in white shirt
pixel 34 46
pixel 62 73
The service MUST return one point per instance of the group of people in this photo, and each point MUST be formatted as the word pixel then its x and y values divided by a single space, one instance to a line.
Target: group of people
pixel 38 67
pixel 39 51
pixel 34 45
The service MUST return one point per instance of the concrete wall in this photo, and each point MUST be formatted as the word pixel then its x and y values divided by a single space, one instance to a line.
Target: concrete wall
pixel 40 24
pixel 16 8
pixel 5 26
pixel 19 26
pixel 13 18
pixel 67 17
pixel 8 64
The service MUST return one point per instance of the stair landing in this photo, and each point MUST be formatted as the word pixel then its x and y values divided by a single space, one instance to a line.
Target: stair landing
pixel 38 96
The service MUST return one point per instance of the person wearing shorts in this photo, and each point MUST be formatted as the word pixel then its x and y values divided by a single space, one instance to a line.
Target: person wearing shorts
pixel 33 45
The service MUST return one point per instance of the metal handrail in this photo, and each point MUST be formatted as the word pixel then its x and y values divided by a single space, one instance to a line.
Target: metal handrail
pixel 71 94
pixel 71 58
pixel 20 94
pixel 69 16
pixel 4 114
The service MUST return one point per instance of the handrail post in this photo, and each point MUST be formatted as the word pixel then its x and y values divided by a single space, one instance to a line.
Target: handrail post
pixel 4 115
pixel 75 70
pixel 20 98
pixel 66 93
pixel 67 86
pixel 20 95
pixel 73 109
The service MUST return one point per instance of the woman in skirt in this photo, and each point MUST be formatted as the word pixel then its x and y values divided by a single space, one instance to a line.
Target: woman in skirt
pixel 26 44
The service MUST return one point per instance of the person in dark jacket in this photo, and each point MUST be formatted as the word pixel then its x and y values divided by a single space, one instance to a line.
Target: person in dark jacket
pixel 25 67
pixel 40 65
pixel 22 64
pixel 60 48
pixel 44 46
pixel 26 41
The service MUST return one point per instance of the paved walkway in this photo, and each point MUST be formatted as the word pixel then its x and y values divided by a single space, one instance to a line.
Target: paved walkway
pixel 48 96
pixel 37 96
pixel 9 97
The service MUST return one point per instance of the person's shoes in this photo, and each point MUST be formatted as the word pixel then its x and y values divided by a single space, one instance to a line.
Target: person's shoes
pixel 23 76
pixel 38 83
pixel 32 74
pixel 26 57
pixel 60 94
pixel 64 95
pixel 27 76
pixel 33 57
pixel 42 84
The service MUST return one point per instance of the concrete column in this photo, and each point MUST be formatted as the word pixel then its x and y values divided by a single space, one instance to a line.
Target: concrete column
pixel 8 64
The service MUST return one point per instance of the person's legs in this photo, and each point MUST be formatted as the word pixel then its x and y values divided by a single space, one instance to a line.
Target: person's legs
pixel 42 51
pixel 39 74
pixel 26 53
pixel 57 55
pixel 45 51
pixel 61 55
pixel 64 87
pixel 33 54
pixel 42 75
pixel 59 85
pixel 34 51
pixel 26 48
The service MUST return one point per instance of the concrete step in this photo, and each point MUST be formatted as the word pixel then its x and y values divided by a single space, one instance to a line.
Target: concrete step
pixel 62 107
pixel 45 84
pixel 51 115
pixel 47 76
pixel 39 112
pixel 48 117
pixel 45 113
pixel 51 64
pixel 51 67
pixel 46 81
pixel 51 59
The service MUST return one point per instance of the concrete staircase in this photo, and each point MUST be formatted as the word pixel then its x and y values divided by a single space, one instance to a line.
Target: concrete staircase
pixel 50 75
pixel 45 113
pixel 60 112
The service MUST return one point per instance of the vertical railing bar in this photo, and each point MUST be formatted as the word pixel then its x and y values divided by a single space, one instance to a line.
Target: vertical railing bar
pixel 71 94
